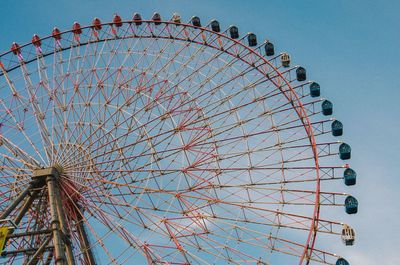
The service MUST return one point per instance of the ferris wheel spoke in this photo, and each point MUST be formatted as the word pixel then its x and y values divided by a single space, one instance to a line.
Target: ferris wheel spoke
pixel 38 112
pixel 14 149
pixel 290 218
pixel 173 235
pixel 57 96
pixel 199 169
pixel 107 220
pixel 274 244
pixel 324 149
pixel 13 185
pixel 285 222
pixel 112 197
pixel 105 120
pixel 271 130
pixel 27 160
pixel 132 145
pixel 100 197
pixel 148 139
pixel 100 239
pixel 127 132
pixel 199 68
pixel 69 80
pixel 52 101
pixel 222 246
pixel 165 171
pixel 281 224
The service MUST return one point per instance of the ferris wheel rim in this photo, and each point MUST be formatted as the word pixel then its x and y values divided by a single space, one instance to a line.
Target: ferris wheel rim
pixel 299 109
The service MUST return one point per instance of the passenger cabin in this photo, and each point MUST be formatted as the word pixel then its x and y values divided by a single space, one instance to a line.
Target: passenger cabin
pixel 269 49
pixel 15 48
pixel 337 128
pixel 301 74
pixel 76 28
pixel 351 205
pixel 56 34
pixel 196 21
pixel 285 59
pixel 36 41
pixel 156 18
pixel 342 261
pixel 327 108
pixel 315 90
pixel 137 19
pixel 234 32
pixel 344 151
pixel 215 26
pixel 348 235
pixel 252 39
pixel 117 21
pixel 96 24
pixel 176 18
pixel 349 176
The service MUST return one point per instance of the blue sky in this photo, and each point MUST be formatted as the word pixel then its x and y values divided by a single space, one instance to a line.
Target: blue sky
pixel 349 46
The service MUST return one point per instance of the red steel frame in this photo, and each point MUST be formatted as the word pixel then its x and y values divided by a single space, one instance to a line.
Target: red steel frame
pixel 290 95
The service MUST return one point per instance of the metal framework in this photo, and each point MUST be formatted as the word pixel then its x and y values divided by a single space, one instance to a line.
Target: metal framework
pixel 162 142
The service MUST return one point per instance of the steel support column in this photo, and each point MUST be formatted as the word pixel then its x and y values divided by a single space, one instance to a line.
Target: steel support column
pixel 10 208
pixel 84 241
pixel 55 222
pixel 26 207
pixel 63 225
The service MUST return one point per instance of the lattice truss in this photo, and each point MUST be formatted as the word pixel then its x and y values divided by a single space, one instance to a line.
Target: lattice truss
pixel 174 144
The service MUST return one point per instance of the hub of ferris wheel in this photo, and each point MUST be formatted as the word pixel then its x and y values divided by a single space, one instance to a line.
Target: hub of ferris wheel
pixel 163 142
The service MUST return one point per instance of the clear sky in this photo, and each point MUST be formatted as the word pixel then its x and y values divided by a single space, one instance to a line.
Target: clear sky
pixel 351 47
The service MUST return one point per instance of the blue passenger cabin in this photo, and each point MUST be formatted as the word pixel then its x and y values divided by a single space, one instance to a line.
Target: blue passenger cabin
pixel 327 108
pixel 342 261
pixel 215 26
pixel 315 90
pixel 349 176
pixel 337 128
pixel 269 49
pixel 252 39
pixel 301 74
pixel 196 21
pixel 351 205
pixel 234 32
pixel 344 151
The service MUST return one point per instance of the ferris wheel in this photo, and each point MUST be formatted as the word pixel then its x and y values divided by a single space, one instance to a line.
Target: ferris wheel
pixel 163 142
